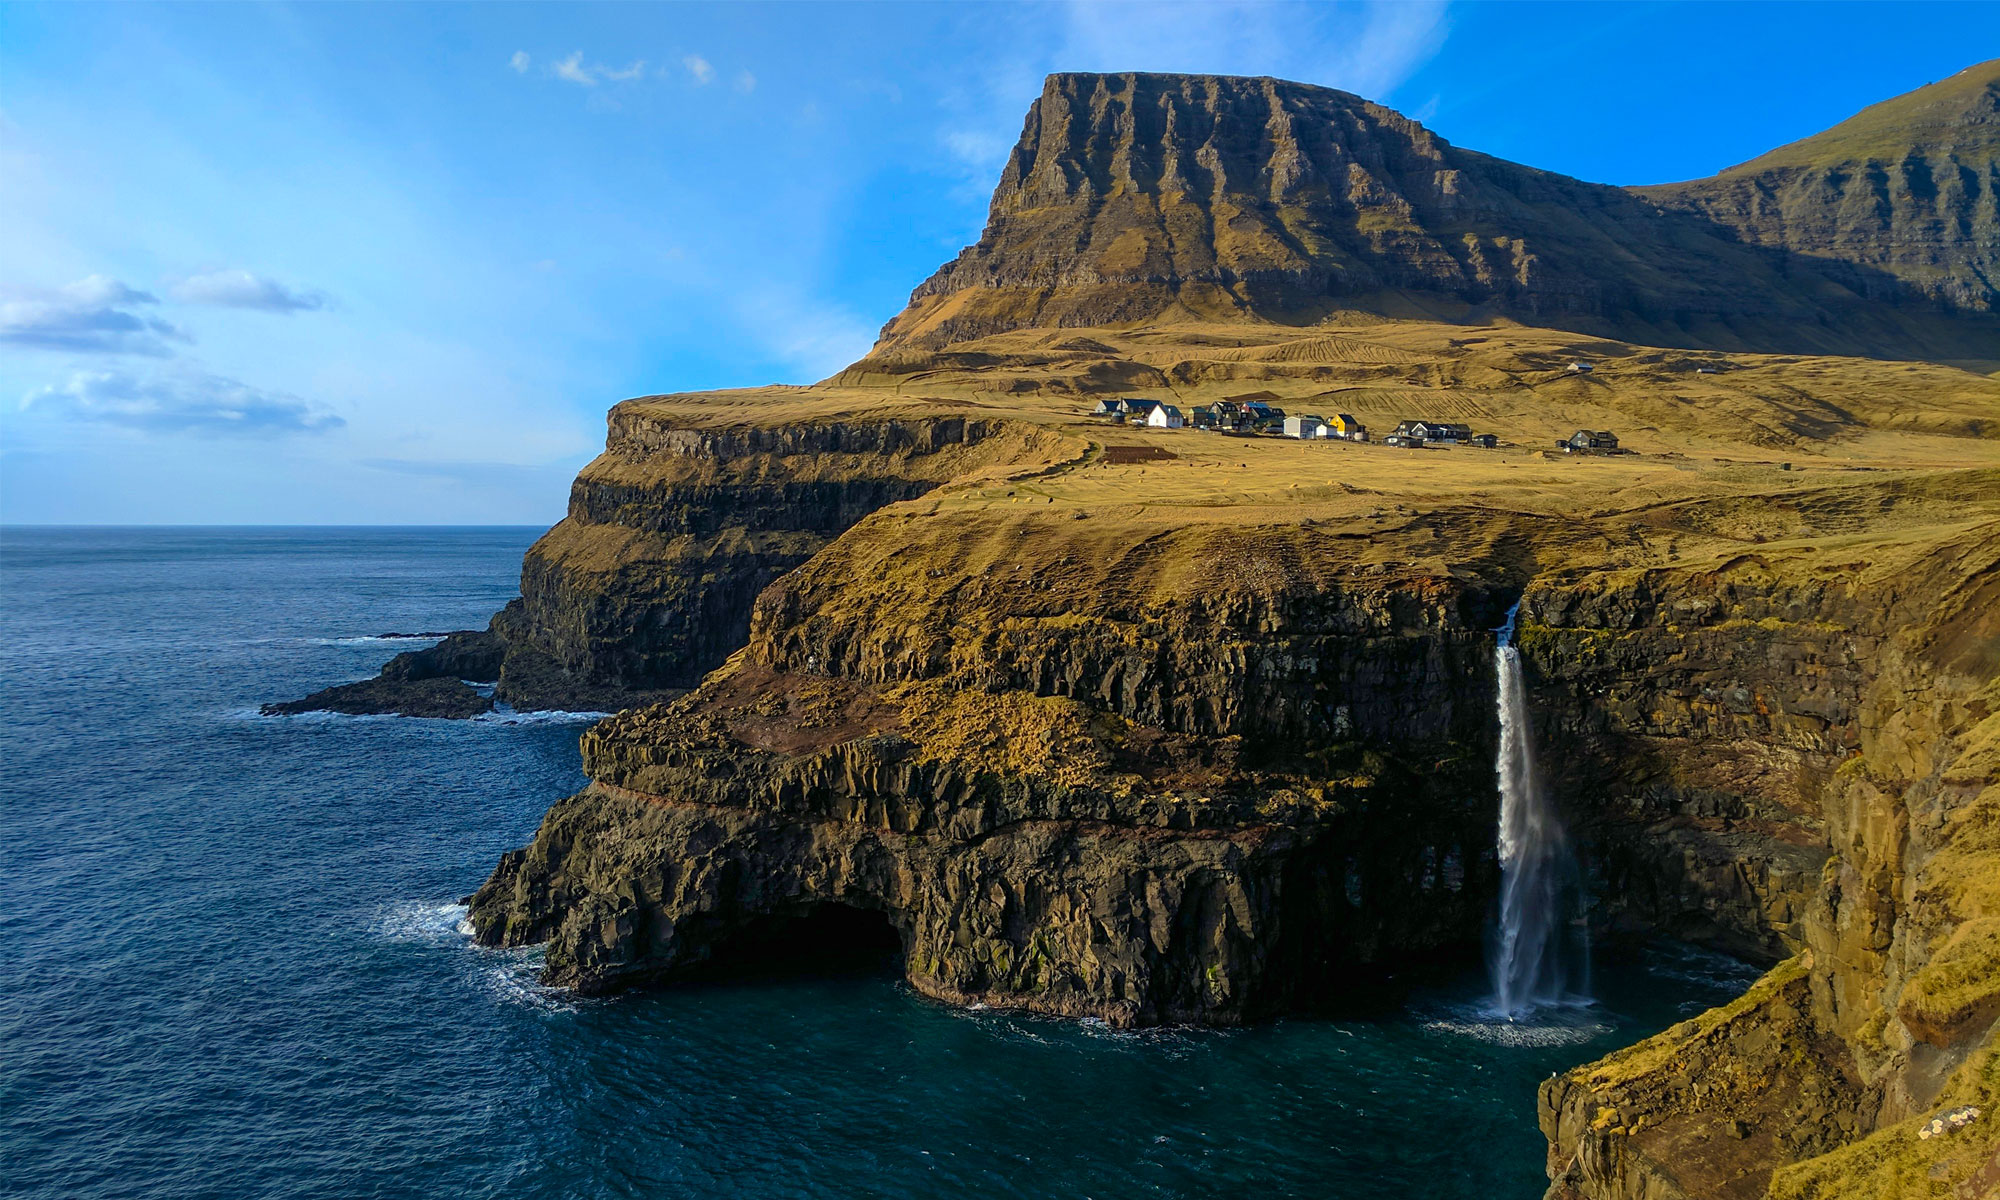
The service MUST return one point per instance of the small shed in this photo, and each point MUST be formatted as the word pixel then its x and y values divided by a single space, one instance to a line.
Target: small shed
pixel 1306 425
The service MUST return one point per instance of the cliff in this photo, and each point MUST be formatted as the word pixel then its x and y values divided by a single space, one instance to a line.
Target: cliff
pixel 1818 1082
pixel 672 532
pixel 1165 811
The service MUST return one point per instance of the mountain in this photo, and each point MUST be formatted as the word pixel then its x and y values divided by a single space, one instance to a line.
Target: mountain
pixel 1908 189
pixel 1139 197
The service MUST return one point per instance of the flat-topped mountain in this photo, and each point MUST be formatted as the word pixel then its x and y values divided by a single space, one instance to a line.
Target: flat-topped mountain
pixel 1909 188
pixel 1134 197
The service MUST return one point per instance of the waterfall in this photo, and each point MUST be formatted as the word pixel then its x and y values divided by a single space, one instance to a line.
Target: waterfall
pixel 1530 966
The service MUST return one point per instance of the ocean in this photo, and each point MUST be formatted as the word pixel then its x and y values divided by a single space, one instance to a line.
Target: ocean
pixel 231 962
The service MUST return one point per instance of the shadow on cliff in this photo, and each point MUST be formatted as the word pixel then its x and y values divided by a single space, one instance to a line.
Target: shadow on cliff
pixel 825 941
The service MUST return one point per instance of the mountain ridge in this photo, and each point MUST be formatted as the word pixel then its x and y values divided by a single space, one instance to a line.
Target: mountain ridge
pixel 1136 196
pixel 1909 187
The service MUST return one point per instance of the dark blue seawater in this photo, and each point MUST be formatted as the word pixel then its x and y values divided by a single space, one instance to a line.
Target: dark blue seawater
pixel 230 963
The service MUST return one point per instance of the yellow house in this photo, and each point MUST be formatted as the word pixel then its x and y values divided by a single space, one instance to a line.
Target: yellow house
pixel 1343 424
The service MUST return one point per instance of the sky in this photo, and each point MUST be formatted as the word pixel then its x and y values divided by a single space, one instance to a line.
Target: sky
pixel 385 264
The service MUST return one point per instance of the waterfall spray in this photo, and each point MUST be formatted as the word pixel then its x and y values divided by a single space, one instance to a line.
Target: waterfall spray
pixel 1537 875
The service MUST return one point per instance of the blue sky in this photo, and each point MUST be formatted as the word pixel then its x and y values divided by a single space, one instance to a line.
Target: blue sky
pixel 377 263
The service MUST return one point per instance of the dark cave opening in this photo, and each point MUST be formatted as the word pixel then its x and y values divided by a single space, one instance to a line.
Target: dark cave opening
pixel 821 941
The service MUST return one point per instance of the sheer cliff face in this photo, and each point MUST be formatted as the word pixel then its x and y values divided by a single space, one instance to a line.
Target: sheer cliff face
pixel 1866 695
pixel 1907 193
pixel 1133 197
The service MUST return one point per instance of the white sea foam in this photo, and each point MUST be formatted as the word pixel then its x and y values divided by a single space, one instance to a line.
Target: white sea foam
pixel 1524 1035
pixel 515 978
pixel 504 715
pixel 501 715
pixel 407 640
pixel 423 921
pixel 511 975
pixel 317 716
pixel 1568 1022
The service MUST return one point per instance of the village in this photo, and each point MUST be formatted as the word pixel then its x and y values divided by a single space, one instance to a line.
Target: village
pixel 1252 417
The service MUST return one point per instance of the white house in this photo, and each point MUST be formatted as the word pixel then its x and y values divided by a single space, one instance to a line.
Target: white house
pixel 1166 416
pixel 1307 426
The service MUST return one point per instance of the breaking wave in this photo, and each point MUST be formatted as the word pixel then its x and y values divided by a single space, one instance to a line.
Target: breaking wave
pixel 418 921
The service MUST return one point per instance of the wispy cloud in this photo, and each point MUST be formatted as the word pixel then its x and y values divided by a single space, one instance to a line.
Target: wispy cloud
pixel 746 82
pixel 575 70
pixel 519 62
pixel 816 338
pixel 91 316
pixel 1368 48
pixel 572 69
pixel 698 67
pixel 241 289
pixel 182 402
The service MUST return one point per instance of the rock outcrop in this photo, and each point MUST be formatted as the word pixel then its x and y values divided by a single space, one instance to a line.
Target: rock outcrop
pixel 433 682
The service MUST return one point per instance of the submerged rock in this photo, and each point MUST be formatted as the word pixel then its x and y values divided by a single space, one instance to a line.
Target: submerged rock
pixel 416 683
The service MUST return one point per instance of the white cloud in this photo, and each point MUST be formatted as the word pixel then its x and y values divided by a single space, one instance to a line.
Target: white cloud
pixel 746 82
pixel 699 68
pixel 91 316
pixel 182 402
pixel 576 71
pixel 572 69
pixel 519 62
pixel 241 289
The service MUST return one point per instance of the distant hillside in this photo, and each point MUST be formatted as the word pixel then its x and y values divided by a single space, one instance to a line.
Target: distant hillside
pixel 1135 196
pixel 1909 188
